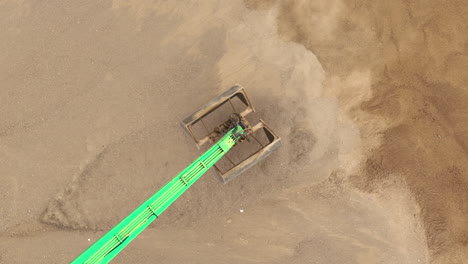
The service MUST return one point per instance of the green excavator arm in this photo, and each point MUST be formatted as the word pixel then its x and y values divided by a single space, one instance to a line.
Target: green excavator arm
pixel 108 246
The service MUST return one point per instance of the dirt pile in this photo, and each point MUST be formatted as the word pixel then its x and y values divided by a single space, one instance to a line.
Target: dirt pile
pixel 400 70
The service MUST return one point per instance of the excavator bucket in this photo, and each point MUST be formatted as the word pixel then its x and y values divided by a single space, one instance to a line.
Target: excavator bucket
pixel 215 118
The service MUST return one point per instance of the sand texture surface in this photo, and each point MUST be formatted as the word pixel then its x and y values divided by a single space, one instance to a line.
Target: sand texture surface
pixel 369 97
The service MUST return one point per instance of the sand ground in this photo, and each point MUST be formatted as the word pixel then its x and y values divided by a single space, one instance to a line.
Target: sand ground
pixel 370 98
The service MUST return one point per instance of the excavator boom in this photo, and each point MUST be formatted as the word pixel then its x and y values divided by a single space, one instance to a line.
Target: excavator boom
pixel 107 247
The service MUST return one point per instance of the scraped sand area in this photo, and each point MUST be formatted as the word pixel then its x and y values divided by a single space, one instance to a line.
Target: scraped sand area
pixel 369 97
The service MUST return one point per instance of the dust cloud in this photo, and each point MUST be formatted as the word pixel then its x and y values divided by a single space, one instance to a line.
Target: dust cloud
pixel 399 69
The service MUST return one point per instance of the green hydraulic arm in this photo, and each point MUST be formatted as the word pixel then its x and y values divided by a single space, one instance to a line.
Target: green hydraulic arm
pixel 108 246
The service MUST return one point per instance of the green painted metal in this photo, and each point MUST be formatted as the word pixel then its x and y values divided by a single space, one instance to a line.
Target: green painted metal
pixel 108 246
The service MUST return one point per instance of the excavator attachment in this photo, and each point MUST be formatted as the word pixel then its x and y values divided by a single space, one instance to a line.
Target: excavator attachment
pixel 231 133
pixel 217 117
